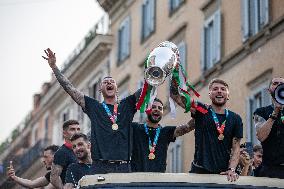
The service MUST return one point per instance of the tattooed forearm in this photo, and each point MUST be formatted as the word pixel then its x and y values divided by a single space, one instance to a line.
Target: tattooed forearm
pixel 262 126
pixel 173 88
pixel 76 95
pixel 235 153
pixel 258 121
pixel 55 176
pixel 186 128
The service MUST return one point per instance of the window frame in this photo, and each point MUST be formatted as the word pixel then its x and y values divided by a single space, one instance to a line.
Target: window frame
pixel 175 154
pixel 124 39
pixel 256 11
pixel 172 9
pixel 152 19
pixel 215 45
pixel 260 89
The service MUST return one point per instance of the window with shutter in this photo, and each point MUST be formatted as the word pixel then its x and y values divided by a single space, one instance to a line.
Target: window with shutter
pixel 148 18
pixel 211 41
pixel 255 16
pixel 123 50
pixel 175 156
pixel 174 5
pixel 258 98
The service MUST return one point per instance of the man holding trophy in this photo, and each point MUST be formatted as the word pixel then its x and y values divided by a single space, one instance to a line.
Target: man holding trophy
pixel 150 139
pixel 218 131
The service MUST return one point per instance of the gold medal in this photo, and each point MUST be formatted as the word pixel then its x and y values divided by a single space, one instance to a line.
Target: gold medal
pixel 221 137
pixel 151 156
pixel 114 126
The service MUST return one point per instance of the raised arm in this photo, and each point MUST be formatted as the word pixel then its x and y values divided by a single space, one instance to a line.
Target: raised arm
pixel 262 126
pixel 76 95
pixel 185 128
pixel 39 182
pixel 181 101
pixel 55 179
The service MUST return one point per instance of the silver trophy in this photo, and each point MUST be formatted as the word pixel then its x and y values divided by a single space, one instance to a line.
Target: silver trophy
pixel 160 63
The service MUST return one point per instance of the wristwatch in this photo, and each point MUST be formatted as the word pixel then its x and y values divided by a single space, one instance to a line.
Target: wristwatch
pixel 273 116
pixel 231 169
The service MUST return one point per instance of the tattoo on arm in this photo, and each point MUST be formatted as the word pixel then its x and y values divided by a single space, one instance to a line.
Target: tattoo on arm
pixel 258 121
pixel 55 173
pixel 263 127
pixel 175 95
pixel 235 153
pixel 174 88
pixel 185 128
pixel 76 95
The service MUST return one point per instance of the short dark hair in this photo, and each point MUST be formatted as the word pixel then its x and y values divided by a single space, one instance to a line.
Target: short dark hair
pixel 258 148
pixel 158 100
pixel 52 148
pixel 270 83
pixel 69 122
pixel 79 135
pixel 220 81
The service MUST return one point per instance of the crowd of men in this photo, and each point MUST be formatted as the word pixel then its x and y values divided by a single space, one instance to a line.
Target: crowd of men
pixel 119 145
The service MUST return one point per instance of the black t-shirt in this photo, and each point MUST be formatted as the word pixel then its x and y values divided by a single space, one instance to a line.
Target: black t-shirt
pixel 273 145
pixel 139 159
pixel 211 153
pixel 108 144
pixel 76 171
pixel 47 175
pixel 64 156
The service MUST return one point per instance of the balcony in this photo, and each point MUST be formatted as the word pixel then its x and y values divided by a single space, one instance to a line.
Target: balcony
pixel 101 27
pixel 106 4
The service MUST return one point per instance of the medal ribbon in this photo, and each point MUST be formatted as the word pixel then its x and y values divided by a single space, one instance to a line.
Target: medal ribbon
pixel 219 128
pixel 68 145
pixel 112 117
pixel 152 145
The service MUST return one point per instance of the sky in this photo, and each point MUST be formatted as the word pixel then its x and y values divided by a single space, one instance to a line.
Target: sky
pixel 27 28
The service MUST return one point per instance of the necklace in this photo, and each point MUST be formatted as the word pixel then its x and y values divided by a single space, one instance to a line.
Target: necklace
pixel 152 145
pixel 220 128
pixel 112 117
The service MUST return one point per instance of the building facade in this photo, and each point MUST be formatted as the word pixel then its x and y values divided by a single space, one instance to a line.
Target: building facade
pixel 239 41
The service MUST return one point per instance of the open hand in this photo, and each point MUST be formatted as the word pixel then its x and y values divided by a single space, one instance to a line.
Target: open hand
pixel 232 176
pixel 50 57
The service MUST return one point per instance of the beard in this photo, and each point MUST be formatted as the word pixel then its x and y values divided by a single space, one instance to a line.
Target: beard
pixel 150 118
pixel 83 157
pixel 219 104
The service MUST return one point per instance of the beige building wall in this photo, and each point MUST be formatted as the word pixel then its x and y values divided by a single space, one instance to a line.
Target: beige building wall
pixel 244 64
